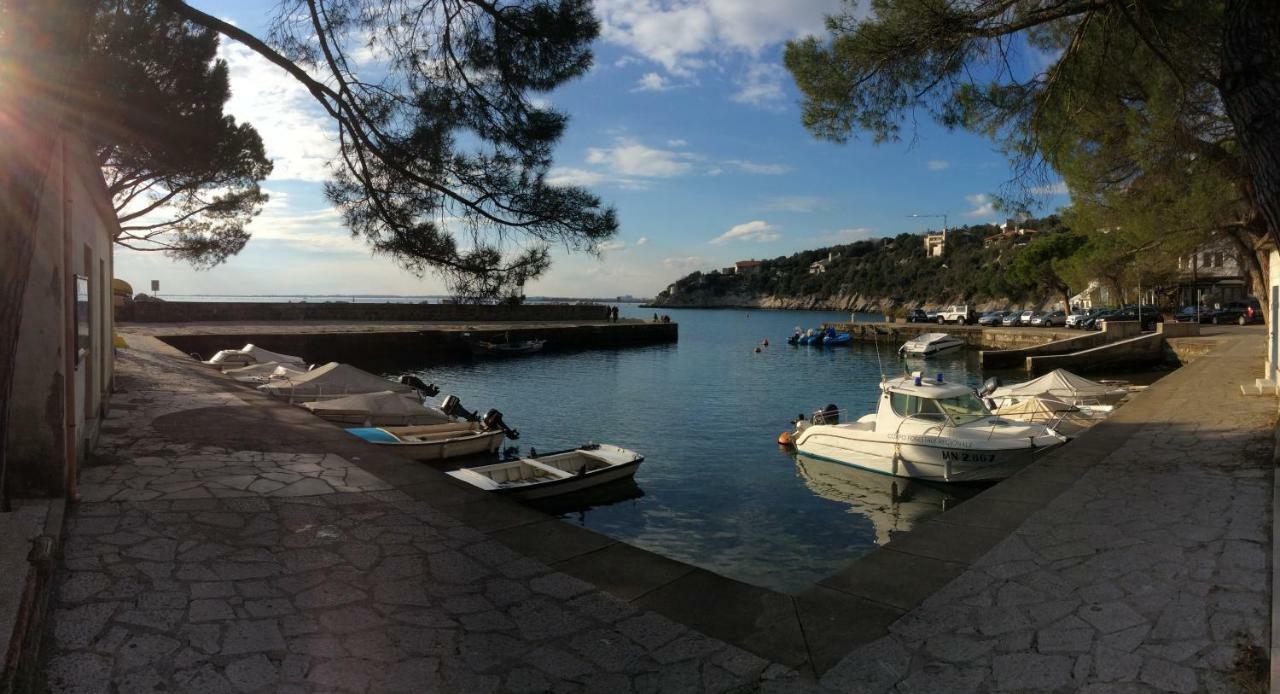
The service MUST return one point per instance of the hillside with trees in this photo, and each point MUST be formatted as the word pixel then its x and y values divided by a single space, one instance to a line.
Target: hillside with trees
pixel 888 273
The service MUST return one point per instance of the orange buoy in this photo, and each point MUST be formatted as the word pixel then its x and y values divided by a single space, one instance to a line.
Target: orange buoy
pixel 784 439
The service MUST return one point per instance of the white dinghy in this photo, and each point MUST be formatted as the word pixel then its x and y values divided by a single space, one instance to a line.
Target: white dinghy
pixel 929 344
pixel 331 381
pixel 927 430
pixel 250 354
pixel 383 408
pixel 435 441
pixel 540 476
pixel 1063 386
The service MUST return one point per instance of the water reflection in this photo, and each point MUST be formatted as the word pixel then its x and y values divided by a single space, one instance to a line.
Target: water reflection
pixel 892 504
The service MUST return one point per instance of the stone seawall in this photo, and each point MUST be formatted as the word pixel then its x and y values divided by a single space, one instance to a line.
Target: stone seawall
pixel 977 337
pixel 373 348
pixel 202 311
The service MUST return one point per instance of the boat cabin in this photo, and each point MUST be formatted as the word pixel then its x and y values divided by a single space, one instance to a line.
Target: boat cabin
pixel 917 399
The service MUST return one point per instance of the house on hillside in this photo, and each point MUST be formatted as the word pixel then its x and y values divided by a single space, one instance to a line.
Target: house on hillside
pixel 820 266
pixel 1011 230
pixel 743 267
pixel 728 271
pixel 1212 274
pixel 1094 296
pixel 935 244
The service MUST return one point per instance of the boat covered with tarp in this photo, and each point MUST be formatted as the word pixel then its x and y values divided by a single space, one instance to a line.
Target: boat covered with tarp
pixel 250 354
pixel 265 371
pixel 1064 418
pixel 331 381
pixel 383 408
pixel 1063 386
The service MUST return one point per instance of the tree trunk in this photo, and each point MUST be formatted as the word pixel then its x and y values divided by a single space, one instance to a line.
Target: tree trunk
pixel 1253 263
pixel 1250 88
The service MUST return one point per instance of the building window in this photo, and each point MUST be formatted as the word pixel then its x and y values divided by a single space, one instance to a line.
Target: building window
pixel 1217 259
pixel 1206 260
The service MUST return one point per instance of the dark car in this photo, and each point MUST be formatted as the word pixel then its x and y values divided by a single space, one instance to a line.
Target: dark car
pixel 1150 316
pixel 1238 312
pixel 1095 317
pixel 917 315
pixel 992 317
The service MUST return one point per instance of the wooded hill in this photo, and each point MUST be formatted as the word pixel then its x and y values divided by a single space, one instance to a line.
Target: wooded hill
pixel 880 275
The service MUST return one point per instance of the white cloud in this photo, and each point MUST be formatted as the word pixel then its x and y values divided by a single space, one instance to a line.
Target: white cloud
pixel 938 164
pixel 762 86
pixel 794 203
pixel 677 34
pixel 677 143
pixel 982 206
pixel 757 168
pixel 631 158
pixel 652 82
pixel 566 176
pixel 1056 188
pixel 615 245
pixel 642 240
pixel 294 130
pixel 686 264
pixel 755 230
pixel 315 230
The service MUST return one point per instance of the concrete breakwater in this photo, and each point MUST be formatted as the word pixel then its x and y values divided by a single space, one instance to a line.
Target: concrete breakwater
pixel 977 337
pixel 237 311
pixel 376 343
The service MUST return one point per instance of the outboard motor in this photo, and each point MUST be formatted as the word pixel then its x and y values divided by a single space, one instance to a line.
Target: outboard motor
pixel 452 406
pixel 989 386
pixel 493 420
pixel 427 389
pixel 829 415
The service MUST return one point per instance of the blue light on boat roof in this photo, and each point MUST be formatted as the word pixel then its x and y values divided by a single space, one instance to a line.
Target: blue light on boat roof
pixel 939 377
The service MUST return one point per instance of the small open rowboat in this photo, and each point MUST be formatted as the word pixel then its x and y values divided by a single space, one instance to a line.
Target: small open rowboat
pixel 554 473
pixel 435 441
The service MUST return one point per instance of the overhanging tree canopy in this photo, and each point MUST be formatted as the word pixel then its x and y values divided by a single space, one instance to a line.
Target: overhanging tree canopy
pixel 1139 104
pixel 443 153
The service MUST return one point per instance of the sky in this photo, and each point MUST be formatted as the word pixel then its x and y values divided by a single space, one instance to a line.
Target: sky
pixel 688 124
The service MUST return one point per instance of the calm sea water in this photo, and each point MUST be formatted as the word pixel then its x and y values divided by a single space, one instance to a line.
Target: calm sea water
pixel 715 490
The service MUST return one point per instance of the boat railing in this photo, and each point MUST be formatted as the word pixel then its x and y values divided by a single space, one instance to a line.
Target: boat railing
pixel 829 416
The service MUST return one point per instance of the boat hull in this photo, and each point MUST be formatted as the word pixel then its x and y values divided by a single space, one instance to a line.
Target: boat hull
pixel 575 484
pixel 484 442
pixel 928 458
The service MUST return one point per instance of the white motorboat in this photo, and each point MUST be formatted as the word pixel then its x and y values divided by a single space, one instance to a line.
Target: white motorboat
pixel 435 441
pixel 927 430
pixel 1063 386
pixel 249 354
pixel 331 381
pixel 550 474
pixel 384 408
pixel 929 344
pixel 265 372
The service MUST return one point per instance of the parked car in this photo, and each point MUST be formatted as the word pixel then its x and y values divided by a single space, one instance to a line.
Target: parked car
pixel 1011 319
pixel 931 314
pixel 1049 319
pixel 959 314
pixel 917 315
pixel 1188 314
pixel 1026 316
pixel 992 317
pixel 1078 320
pixel 1096 317
pixel 1239 312
pixel 1150 316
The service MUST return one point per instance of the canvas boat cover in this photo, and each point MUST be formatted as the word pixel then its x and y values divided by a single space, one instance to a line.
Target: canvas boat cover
pixel 1064 386
pixel 1065 417
pixel 332 379
pixel 265 370
pixel 383 405
pixel 251 354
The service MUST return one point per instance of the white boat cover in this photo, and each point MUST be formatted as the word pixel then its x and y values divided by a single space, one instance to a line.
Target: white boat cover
pixel 382 406
pixel 265 370
pixel 251 354
pixel 1065 386
pixel 330 381
pixel 1065 417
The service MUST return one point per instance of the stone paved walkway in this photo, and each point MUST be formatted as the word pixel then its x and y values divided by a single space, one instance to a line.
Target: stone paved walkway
pixel 203 569
pixel 1143 576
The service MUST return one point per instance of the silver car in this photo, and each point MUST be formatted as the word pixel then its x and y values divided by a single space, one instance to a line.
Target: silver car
pixel 1010 320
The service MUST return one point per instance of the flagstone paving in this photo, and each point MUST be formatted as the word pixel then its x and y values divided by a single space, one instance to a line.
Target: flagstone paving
pixel 1145 575
pixel 202 569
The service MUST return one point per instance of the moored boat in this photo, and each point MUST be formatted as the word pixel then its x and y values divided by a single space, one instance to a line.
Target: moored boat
pixel 435 441
pixel 517 348
pixel 249 354
pixel 383 408
pixel 926 430
pixel 550 474
pixel 1063 386
pixel 929 344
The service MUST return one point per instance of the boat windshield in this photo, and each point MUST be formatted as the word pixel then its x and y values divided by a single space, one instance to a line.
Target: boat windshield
pixel 964 409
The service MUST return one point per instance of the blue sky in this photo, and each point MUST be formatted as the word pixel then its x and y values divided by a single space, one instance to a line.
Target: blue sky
pixel 688 124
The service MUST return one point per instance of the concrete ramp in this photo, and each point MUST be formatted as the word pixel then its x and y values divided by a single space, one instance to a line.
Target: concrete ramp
pixel 1112 331
pixel 1141 350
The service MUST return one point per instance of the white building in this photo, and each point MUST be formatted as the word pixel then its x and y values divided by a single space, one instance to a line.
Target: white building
pixel 935 244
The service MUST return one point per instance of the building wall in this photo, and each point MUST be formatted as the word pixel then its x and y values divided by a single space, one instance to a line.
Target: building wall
pixel 1273 321
pixel 74 221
